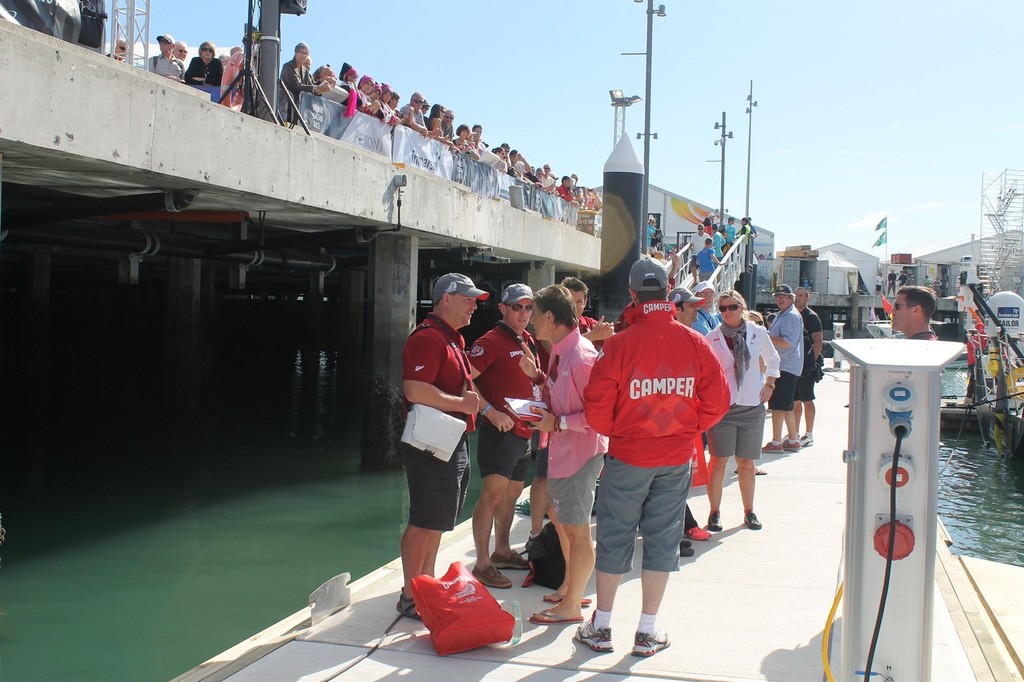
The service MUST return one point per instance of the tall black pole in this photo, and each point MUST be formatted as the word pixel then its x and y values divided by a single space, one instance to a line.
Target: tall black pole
pixel 750 136
pixel 749 261
pixel 721 196
pixel 642 231
pixel 270 50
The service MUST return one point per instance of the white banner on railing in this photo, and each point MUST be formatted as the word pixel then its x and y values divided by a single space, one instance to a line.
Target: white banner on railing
pixel 414 149
pixel 369 133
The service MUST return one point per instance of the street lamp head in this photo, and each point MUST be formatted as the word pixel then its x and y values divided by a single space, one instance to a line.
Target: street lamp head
pixel 615 94
pixel 717 125
pixel 634 99
pixel 729 135
pixel 660 11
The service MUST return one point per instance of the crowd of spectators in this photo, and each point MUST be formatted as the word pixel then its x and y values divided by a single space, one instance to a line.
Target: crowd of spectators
pixel 363 94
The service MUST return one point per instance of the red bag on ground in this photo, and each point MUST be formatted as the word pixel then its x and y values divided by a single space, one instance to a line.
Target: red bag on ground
pixel 459 611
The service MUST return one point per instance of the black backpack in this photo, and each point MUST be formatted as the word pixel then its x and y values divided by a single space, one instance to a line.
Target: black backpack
pixel 547 564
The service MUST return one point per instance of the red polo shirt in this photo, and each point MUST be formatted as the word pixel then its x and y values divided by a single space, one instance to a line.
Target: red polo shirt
pixel 434 354
pixel 496 356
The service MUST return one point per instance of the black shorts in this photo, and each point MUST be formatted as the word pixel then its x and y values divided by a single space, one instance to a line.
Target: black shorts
pixel 437 490
pixel 782 396
pixel 805 386
pixel 505 454
pixel 542 464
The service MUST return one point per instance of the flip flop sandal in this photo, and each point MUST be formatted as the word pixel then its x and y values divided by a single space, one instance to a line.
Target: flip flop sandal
pixel 548 618
pixel 557 599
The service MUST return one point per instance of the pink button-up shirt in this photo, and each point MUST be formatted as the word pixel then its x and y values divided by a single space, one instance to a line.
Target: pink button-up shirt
pixel 572 358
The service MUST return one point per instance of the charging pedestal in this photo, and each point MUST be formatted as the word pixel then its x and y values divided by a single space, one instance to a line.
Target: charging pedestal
pixel 837 335
pixel 894 388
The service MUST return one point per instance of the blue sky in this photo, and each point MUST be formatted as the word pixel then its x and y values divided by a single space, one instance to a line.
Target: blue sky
pixel 865 109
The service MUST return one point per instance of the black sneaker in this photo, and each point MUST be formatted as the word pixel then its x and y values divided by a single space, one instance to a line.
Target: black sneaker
pixel 715 521
pixel 407 607
pixel 685 543
pixel 685 550
pixel 750 518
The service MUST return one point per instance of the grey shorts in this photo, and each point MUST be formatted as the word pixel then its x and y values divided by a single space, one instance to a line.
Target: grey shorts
pixel 505 454
pixel 437 490
pixel 573 496
pixel 649 499
pixel 739 433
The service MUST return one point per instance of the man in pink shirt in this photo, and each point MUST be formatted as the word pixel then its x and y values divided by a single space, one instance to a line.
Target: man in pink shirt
pixel 574 449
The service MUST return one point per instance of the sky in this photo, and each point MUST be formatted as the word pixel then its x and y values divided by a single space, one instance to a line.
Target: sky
pixel 865 110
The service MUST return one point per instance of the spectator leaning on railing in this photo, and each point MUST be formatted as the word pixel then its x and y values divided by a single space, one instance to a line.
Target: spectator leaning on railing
pixel 205 69
pixel 297 79
pixel 412 114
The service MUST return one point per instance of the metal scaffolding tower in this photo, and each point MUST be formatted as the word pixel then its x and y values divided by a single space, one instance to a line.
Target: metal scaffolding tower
pixel 1002 219
pixel 131 24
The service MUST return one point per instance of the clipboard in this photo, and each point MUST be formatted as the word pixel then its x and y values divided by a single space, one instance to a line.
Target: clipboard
pixel 521 407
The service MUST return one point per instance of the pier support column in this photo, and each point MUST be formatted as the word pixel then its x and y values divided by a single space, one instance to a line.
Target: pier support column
pixel 184 279
pixel 394 272
pixel 540 275
pixel 352 315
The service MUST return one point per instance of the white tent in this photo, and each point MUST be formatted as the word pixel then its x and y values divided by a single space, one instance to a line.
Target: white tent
pixel 841 273
pixel 865 262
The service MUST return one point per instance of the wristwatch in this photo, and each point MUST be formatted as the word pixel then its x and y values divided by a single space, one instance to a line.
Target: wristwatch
pixel 563 423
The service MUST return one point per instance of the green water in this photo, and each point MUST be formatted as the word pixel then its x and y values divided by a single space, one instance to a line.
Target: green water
pixel 161 571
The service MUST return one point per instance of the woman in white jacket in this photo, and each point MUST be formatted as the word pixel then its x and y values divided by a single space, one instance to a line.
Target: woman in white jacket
pixel 740 347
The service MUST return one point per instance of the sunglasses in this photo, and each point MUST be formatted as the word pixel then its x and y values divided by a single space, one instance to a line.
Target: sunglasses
pixel 728 308
pixel 519 307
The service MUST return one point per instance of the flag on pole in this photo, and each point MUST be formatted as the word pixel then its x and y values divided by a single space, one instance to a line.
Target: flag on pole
pixel 881 239
pixel 871 315
pixel 882 224
pixel 886 306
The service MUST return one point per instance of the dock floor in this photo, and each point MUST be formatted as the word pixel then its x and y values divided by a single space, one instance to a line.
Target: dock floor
pixel 748 606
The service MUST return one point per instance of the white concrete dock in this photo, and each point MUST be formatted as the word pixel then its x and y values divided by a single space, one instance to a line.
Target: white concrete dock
pixel 749 606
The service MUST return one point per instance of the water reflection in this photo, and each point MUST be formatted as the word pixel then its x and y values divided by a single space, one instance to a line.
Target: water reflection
pixel 981 500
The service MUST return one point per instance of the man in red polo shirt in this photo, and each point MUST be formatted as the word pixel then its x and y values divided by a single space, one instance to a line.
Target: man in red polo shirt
pixel 503 445
pixel 437 373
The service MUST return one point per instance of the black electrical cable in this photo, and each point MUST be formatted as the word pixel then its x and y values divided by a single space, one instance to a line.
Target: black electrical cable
pixel 901 432
pixel 365 655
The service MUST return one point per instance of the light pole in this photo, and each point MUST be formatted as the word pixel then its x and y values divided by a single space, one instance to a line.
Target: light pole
pixel 751 103
pixel 721 141
pixel 647 135
pixel 620 103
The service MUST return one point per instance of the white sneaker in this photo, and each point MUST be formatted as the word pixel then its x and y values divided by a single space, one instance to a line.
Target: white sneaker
pixel 598 639
pixel 648 645
pixel 807 440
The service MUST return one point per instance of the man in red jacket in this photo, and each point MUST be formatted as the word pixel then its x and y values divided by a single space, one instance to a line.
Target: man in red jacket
pixel 656 386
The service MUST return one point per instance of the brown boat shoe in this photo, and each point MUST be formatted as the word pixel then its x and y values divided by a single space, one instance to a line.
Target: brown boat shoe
pixel 513 561
pixel 492 577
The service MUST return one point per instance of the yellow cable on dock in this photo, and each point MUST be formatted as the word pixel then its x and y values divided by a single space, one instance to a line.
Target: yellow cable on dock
pixel 828 630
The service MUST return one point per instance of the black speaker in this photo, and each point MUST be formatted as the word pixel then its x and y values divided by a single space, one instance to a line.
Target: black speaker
pixel 296 7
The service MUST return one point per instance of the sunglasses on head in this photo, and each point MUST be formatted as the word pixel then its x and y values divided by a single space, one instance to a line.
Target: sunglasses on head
pixel 728 308
pixel 519 307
